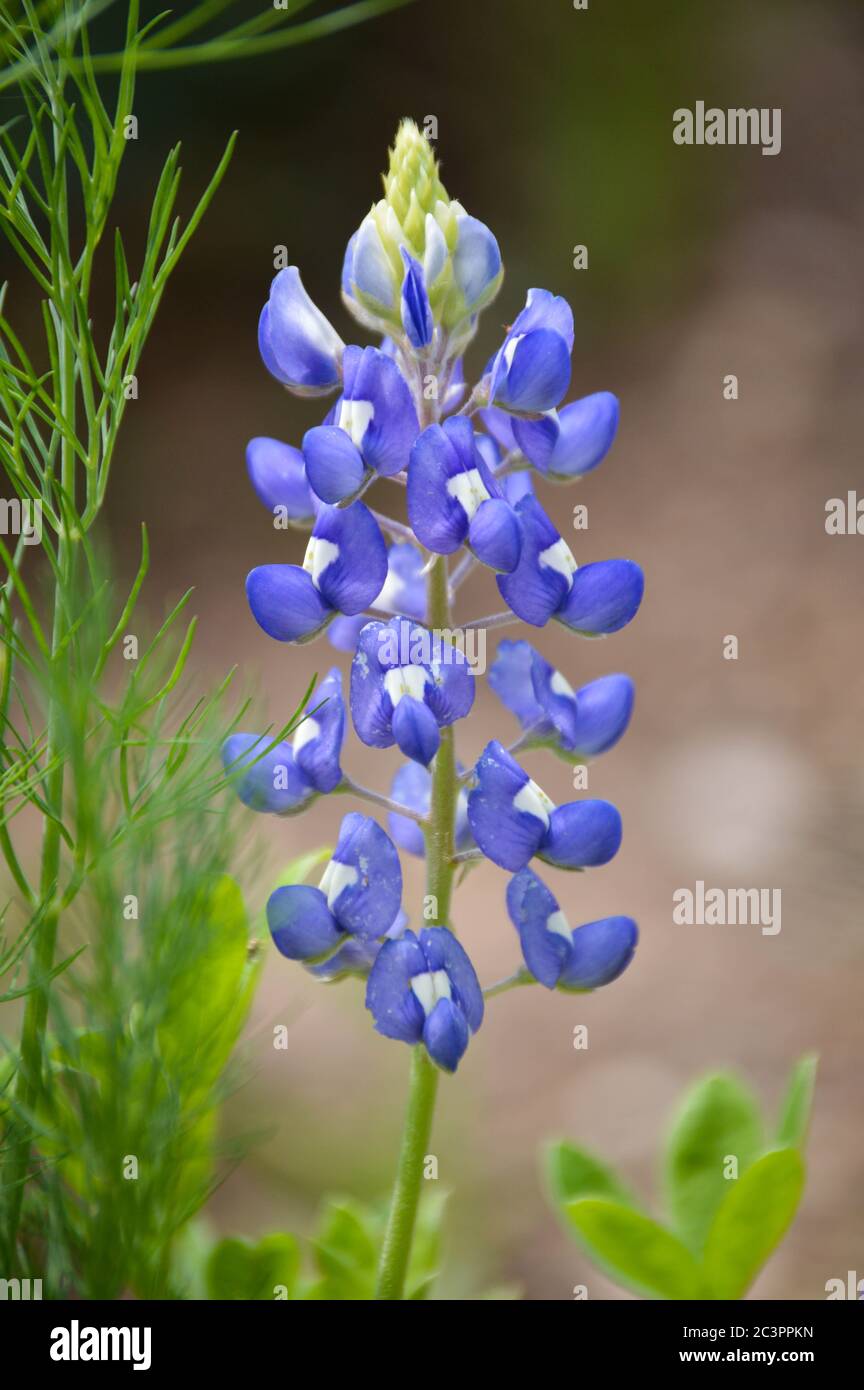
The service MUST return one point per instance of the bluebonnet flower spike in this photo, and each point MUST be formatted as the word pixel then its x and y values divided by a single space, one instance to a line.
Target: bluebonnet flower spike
pixel 454 500
pixel 360 894
pixel 297 343
pixel 513 819
pixel 423 988
pixel 344 570
pixel 558 955
pixel 406 684
pixel 287 777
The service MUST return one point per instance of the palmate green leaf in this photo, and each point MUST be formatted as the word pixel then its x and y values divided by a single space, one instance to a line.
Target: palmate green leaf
pixel 751 1222
pixel 718 1120
pixel 572 1173
pixel 797 1102
pixel 239 1270
pixel 634 1250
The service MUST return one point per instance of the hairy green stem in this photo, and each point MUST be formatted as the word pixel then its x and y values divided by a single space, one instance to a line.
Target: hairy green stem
pixel 398 1237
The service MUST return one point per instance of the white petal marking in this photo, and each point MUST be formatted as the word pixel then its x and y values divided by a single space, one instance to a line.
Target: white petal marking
pixel 335 879
pixel 405 680
pixel 559 557
pixel 534 801
pixel 430 987
pixel 319 554
pixel 306 732
pixel 557 922
pixel 469 490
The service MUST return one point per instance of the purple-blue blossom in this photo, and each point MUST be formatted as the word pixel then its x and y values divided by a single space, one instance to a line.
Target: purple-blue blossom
pixel 577 724
pixel 560 956
pixel 424 989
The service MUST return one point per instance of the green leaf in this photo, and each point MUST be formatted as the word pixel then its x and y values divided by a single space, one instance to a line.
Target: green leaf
pixel 635 1250
pixel 425 1261
pixel 572 1172
pixel 719 1119
pixel 238 1270
pixel 346 1251
pixel 752 1221
pixel 795 1110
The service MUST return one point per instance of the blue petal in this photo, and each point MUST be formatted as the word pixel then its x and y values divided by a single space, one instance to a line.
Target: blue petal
pixel 278 476
pixel 510 678
pixel 604 597
pixel 272 782
pixel 334 466
pixel 405 587
pixel 357 955
pixel 560 703
pixel 547 311
pixel 298 344
pixel 448 478
pixel 363 880
pixel 348 266
pixel 318 740
pixel 389 998
pixel 415 729
pixel 500 427
pixel 445 1035
pixel 444 952
pixel 582 835
pixel 531 906
pixel 580 439
pixel 416 314
pixel 517 485
pixel 412 786
pixel 600 952
pixel 537 374
pixel 286 604
pixel 376 400
pixel 301 924
pixel 371 271
pixel 371 707
pixel 603 710
pixel 344 633
pixel 450 693
pixel 506 834
pixel 476 259
pixel 537 587
pixel 355 554
pixel 495 535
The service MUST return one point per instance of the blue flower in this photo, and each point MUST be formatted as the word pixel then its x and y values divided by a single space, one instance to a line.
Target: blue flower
pixel 513 819
pixel 344 570
pixel 476 263
pixel 278 475
pixel 575 723
pixel 531 371
pixel 558 955
pixel 453 499
pixel 359 895
pixel 404 592
pixel 412 786
pixel 590 599
pixel 416 314
pixel 297 343
pixel 288 776
pixel 566 443
pixel 358 954
pixel 406 684
pixel 424 989
pixel 369 432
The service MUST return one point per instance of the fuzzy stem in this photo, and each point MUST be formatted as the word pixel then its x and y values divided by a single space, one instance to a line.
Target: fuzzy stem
pixel 398 1237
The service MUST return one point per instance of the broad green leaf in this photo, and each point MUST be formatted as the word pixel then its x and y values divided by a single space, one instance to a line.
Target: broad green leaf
pixel 756 1214
pixel 346 1251
pixel 573 1173
pixel 237 1269
pixel 719 1120
pixel 634 1250
pixel 795 1110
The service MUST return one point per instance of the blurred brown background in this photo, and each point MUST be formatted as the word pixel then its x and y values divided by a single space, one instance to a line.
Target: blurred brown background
pixel 555 127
